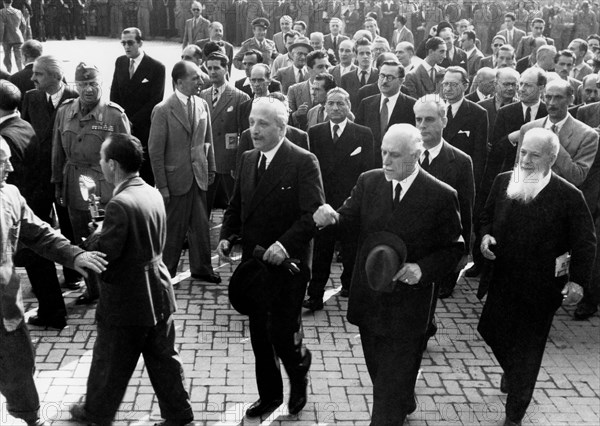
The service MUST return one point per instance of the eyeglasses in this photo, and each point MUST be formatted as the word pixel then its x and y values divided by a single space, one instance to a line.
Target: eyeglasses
pixel 387 77
pixel 128 42
pixel 451 84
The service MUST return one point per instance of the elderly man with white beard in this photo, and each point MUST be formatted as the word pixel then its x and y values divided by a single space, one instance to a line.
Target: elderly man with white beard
pixel 539 235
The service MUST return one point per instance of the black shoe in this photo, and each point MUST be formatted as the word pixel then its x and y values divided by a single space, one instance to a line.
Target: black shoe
pixel 473 271
pixel 260 408
pixel 313 304
pixel 84 299
pixel 58 322
pixel 584 311
pixel 214 277
pixel 298 385
pixel 73 285
pixel 445 293
pixel 509 422
pixel 503 384
pixel 344 292
pixel 412 408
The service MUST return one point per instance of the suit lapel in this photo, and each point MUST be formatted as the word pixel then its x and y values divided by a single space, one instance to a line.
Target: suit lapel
pixel 346 143
pixel 462 115
pixel 425 78
pixel 224 101
pixel 179 113
pixel 141 71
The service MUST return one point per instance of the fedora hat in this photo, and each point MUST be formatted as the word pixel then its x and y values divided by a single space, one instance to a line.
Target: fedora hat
pixel 382 254
pixel 301 41
pixel 249 287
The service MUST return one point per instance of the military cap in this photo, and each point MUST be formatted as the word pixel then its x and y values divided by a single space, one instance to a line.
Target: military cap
pixel 261 22
pixel 86 72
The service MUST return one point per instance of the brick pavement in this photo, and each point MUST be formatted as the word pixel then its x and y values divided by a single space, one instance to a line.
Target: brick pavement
pixel 458 384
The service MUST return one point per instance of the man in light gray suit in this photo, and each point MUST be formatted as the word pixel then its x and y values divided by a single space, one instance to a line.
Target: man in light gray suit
pixel 511 34
pixel 223 102
pixel 181 153
pixel 196 28
pixel 346 59
pixel 300 95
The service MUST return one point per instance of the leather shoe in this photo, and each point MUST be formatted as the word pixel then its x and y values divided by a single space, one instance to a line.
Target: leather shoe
pixel 584 311
pixel 84 299
pixel 509 422
pixel 259 408
pixel 210 278
pixel 313 304
pixel 298 385
pixel 445 293
pixel 344 292
pixel 72 285
pixel 503 384
pixel 79 414
pixel 473 271
pixel 58 322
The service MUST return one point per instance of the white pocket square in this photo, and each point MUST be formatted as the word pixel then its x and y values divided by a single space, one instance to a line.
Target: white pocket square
pixel 145 80
pixel 230 109
pixel 465 132
pixel 356 151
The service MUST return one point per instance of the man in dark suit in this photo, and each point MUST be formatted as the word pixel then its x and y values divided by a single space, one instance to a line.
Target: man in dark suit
pixel 31 50
pixel 251 58
pixel 137 318
pixel 277 190
pixel 589 106
pixel 379 112
pixel 224 103
pixel 138 85
pixel 455 56
pixel 344 151
pixel 467 127
pixel 525 46
pixel 450 165
pixel 506 82
pixel 529 226
pixel 216 36
pixel 406 202
pixel 483 85
pixel 427 77
pixel 492 61
pixel 473 54
pixel 512 35
pixel 181 152
pixel 334 39
pixel 365 74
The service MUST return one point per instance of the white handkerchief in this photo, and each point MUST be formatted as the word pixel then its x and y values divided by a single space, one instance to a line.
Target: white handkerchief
pixel 356 151
pixel 466 132
pixel 145 80
pixel 230 108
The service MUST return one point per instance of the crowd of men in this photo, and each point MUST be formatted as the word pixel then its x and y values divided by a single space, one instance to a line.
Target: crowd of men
pixel 406 157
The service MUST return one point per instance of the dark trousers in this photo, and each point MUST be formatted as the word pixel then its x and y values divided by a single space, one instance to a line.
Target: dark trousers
pixel 187 216
pixel 516 332
pixel 223 183
pixel 275 333
pixel 323 249
pixel 116 352
pixel 17 365
pixel 80 220
pixel 393 364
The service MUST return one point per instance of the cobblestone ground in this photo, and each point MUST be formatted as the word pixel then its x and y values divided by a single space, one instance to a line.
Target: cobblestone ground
pixel 458 383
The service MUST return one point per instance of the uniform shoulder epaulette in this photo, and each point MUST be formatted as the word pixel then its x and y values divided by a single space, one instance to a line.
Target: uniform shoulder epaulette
pixel 67 102
pixel 116 106
pixel 247 41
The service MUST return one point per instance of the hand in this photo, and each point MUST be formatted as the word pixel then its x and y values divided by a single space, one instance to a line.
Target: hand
pixel 165 194
pixel 93 260
pixel 302 109
pixel 409 274
pixel 274 255
pixel 58 196
pixel 572 293
pixel 211 178
pixel 325 216
pixel 513 137
pixel 223 250
pixel 486 242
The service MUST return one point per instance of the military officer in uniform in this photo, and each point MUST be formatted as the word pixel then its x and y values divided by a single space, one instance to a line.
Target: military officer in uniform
pixel 81 125
pixel 259 42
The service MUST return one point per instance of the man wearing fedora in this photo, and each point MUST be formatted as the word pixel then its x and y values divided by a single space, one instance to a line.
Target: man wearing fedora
pixel 278 188
pixel 391 301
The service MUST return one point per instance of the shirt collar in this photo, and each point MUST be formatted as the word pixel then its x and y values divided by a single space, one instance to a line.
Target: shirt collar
pixel 136 61
pixel 57 96
pixel 433 152
pixel 183 98
pixel 481 95
pixel 220 88
pixel 456 106
pixel 579 67
pixel 341 126
pixel 468 52
pixel 406 182
pixel 9 116
pixel 558 125
pixel 246 82
pixel 271 153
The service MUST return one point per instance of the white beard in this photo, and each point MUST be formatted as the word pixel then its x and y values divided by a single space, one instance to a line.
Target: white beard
pixel 523 187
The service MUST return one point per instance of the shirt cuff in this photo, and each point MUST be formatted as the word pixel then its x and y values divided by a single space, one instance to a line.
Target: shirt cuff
pixel 282 248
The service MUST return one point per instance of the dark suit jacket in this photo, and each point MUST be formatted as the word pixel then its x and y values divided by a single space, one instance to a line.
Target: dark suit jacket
pixel 368 115
pixel 20 137
pixel 228 50
pixel 22 79
pixel 428 221
pixel 517 36
pixel 225 126
pixel 280 206
pixel 454 167
pixel 328 44
pixel 351 84
pixel 34 110
pixel 459 59
pixel 136 288
pixel 341 163
pixel 274 86
pixel 287 77
pixel 489 105
pixel 524 47
pixel 589 114
pixel 418 82
pixel 488 61
pixel 473 97
pixel 296 136
pixel 559 207
pixel 140 94
pixel 468 131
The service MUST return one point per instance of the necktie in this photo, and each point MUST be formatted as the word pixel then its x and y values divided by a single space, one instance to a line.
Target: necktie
pixel 50 105
pixel 509 38
pixel 363 78
pixel 432 74
pixel 383 117
pixel 335 133
pixel 262 167
pixel 425 163
pixel 554 129
pixel 190 112
pixel 449 115
pixel 300 75
pixel 528 115
pixel 335 44
pixel 397 192
pixel 215 98
pixel 131 69
pixel 320 117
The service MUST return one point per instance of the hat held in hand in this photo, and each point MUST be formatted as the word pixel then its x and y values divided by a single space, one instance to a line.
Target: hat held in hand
pixel 383 254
